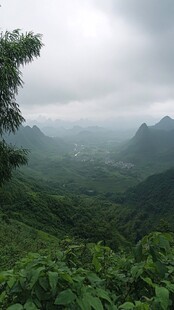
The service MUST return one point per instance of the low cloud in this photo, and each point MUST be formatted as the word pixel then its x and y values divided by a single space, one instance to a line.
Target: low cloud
pixel 101 58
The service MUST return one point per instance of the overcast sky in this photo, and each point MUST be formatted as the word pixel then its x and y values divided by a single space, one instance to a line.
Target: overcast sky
pixel 102 59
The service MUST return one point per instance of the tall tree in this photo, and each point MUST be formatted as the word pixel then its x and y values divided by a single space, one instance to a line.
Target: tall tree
pixel 16 50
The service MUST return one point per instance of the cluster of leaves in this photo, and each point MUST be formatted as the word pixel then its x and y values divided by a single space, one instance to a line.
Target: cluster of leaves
pixel 10 158
pixel 92 276
pixel 16 49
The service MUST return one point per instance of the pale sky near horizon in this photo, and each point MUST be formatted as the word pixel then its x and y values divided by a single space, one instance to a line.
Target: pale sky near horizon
pixel 102 59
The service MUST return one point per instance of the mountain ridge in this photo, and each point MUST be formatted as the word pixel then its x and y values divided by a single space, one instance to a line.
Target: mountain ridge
pixel 33 139
pixel 152 144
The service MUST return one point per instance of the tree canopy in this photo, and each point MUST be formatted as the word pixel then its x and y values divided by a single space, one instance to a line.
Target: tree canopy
pixel 16 50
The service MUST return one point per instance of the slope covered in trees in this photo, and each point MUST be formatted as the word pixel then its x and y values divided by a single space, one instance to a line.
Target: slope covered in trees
pixel 51 209
pixel 147 207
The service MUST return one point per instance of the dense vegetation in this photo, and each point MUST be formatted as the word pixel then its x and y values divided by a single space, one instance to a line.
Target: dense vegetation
pixel 55 211
pixel 16 49
pixel 89 276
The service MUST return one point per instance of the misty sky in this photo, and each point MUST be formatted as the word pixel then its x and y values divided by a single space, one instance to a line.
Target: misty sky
pixel 102 59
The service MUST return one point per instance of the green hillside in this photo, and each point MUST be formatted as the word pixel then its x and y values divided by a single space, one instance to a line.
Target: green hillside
pixel 148 206
pixel 18 239
pixel 44 207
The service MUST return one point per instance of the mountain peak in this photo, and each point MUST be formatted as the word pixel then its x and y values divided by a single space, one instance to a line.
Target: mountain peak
pixel 141 132
pixel 37 130
pixel 143 128
pixel 166 118
pixel 166 123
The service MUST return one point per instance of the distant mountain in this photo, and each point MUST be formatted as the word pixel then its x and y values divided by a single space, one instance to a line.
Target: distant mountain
pixel 88 136
pixel 35 140
pixel 153 144
pixel 166 123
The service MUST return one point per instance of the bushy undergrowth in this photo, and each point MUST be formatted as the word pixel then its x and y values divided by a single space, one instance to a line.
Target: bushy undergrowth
pixel 92 276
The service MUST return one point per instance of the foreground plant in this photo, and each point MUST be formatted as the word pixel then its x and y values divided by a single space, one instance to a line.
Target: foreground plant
pixel 94 277
pixel 16 50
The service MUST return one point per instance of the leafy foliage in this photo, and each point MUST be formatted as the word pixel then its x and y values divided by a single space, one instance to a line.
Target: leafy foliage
pixel 94 277
pixel 10 158
pixel 16 49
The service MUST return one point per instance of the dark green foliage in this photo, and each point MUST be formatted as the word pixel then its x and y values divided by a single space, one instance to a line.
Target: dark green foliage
pixel 93 277
pixel 51 209
pixel 10 158
pixel 146 207
pixel 18 239
pixel 16 49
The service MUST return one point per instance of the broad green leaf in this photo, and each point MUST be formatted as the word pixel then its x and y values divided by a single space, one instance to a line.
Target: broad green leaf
pixel 148 281
pixel 29 305
pixel 162 295
pixel 22 282
pixel 154 253
pixel 168 236
pixel 98 247
pixel 76 278
pixel 137 270
pixel 2 277
pixel 103 294
pixel 35 276
pixel 94 302
pixel 2 296
pixel 93 278
pixel 40 293
pixel 44 283
pixel 169 285
pixel 96 263
pixel 53 279
pixel 141 305
pixel 11 282
pixel 65 297
pixel 164 243
pixel 127 306
pixel 83 303
pixel 161 268
pixel 16 307
pixel 66 277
